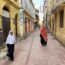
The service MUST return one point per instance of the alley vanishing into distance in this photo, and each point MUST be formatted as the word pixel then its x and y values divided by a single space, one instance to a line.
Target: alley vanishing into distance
pixel 30 52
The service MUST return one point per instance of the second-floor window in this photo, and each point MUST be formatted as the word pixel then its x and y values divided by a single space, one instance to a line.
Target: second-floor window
pixel 61 18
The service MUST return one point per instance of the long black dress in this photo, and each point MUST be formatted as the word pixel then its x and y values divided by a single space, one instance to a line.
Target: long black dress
pixel 10 53
pixel 43 42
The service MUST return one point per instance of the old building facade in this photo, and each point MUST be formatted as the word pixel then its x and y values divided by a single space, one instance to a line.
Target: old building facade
pixel 47 10
pixel 57 19
pixel 28 12
pixel 9 18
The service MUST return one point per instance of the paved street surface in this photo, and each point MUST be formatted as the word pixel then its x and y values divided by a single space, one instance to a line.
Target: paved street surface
pixel 30 52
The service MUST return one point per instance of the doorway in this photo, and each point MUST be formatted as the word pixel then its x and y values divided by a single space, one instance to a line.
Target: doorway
pixel 5 22
pixel 25 25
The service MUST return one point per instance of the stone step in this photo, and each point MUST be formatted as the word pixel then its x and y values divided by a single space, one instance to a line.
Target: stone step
pixel 3 53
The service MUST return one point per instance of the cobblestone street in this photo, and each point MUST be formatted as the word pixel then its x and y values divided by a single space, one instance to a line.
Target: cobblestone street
pixel 30 52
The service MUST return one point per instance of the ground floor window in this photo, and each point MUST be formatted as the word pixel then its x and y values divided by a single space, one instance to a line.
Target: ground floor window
pixel 61 18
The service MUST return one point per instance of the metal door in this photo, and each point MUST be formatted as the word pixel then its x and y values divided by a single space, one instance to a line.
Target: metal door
pixel 6 26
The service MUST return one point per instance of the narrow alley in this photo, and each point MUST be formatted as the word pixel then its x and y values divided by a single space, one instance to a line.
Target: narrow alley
pixel 31 52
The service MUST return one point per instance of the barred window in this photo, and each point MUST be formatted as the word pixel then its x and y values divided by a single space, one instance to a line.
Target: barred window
pixel 61 18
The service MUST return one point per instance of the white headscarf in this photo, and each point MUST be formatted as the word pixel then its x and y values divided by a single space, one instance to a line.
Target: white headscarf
pixel 10 38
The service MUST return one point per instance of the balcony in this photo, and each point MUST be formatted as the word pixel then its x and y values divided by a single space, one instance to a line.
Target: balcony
pixel 13 2
pixel 58 4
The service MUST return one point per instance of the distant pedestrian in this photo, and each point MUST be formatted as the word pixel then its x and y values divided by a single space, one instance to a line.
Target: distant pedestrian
pixel 43 35
pixel 10 45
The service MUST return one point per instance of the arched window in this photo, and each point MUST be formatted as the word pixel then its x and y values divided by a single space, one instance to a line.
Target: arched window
pixel 5 12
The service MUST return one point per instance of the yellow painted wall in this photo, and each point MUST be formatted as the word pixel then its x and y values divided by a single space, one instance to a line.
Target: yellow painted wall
pixel 60 32
pixel 13 10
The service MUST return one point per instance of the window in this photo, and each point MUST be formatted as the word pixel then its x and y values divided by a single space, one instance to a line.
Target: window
pixel 61 18
pixel 5 12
